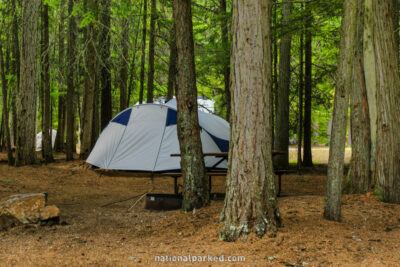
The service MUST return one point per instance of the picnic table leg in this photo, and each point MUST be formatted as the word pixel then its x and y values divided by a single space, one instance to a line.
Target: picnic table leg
pixel 209 183
pixel 279 184
pixel 176 185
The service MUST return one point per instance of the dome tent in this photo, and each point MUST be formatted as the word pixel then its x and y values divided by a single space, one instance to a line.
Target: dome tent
pixel 143 137
pixel 38 140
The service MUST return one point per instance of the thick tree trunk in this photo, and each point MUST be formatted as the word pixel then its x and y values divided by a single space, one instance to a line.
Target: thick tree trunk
pixel 301 98
pixel 359 174
pixel 250 202
pixel 47 150
pixel 370 80
pixel 70 115
pixel 26 100
pixel 105 79
pixel 172 71
pixel 282 109
pixel 195 185
pixel 124 65
pixel 340 110
pixel 150 77
pixel 59 143
pixel 307 150
pixel 142 70
pixel 4 125
pixel 388 99
pixel 226 53
pixel 90 86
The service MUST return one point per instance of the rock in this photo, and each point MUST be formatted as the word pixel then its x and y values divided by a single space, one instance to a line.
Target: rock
pixel 26 209
pixel 49 212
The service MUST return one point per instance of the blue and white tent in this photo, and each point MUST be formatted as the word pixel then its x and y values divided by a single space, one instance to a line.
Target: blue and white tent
pixel 143 137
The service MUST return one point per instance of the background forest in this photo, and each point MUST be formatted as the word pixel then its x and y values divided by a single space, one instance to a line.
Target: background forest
pixel 113 54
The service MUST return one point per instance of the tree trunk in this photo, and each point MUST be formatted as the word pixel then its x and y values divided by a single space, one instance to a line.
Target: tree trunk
pixel 340 110
pixel 59 143
pixel 250 202
pixel 124 65
pixel 195 185
pixel 5 127
pixel 70 116
pixel 282 109
pixel 26 100
pixel 16 71
pixel 307 150
pixel 143 52
pixel 150 77
pixel 172 72
pixel 274 99
pixel 388 99
pixel 47 150
pixel 359 174
pixel 301 98
pixel 105 79
pixel 226 53
pixel 90 86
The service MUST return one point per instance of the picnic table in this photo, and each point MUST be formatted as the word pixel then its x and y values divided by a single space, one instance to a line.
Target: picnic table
pixel 213 171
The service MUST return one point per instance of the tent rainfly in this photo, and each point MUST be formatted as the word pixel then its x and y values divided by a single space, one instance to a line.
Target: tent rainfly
pixel 143 137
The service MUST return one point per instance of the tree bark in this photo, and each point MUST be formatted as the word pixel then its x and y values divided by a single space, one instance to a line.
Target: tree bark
pixel 90 86
pixel 47 149
pixel 388 99
pixel 150 77
pixel 195 185
pixel 16 71
pixel 172 71
pixel 26 100
pixel 4 125
pixel 70 83
pixel 340 110
pixel 142 70
pixel 59 143
pixel 282 109
pixel 226 51
pixel 307 150
pixel 105 78
pixel 250 202
pixel 301 104
pixel 359 174
pixel 124 65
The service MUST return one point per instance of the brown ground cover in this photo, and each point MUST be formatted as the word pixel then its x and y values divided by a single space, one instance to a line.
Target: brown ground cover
pixel 369 234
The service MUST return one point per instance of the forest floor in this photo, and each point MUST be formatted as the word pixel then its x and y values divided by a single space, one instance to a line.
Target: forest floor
pixel 93 235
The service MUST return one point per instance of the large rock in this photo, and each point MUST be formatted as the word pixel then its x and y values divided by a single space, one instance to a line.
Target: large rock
pixel 26 209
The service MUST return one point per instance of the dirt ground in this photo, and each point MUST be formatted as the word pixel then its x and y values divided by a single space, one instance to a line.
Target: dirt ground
pixel 93 235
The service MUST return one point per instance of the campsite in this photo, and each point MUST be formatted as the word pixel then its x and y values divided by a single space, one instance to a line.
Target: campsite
pixel 199 132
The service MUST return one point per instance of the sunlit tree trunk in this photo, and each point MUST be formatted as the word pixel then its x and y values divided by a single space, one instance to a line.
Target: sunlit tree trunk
pixel 301 103
pixel 26 99
pixel 250 202
pixel 150 77
pixel 339 121
pixel 47 150
pixel 282 94
pixel 388 99
pixel 70 83
pixel 16 71
pixel 307 149
pixel 195 185
pixel 141 92
pixel 124 65
pixel 172 65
